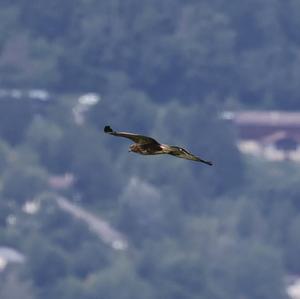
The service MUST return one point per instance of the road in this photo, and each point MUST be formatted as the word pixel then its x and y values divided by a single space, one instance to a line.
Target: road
pixel 102 228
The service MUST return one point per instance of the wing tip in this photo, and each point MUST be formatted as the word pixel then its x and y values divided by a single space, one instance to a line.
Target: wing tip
pixel 108 129
pixel 210 163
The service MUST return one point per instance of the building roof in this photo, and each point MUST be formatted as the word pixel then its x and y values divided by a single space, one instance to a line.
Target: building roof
pixel 10 255
pixel 264 118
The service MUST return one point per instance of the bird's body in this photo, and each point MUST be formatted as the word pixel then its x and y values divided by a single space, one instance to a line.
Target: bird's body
pixel 147 149
pixel 145 145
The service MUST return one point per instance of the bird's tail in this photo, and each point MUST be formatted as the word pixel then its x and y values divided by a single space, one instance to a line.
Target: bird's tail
pixel 206 162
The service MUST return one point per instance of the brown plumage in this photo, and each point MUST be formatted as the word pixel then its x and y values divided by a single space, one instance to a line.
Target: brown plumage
pixel 148 146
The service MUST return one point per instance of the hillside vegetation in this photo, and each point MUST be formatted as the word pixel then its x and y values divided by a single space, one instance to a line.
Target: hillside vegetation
pixel 165 69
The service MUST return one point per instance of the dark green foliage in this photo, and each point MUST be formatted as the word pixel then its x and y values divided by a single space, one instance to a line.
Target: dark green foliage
pixel 23 184
pixel 247 51
pixel 5 210
pixel 13 286
pixel 292 245
pixel 194 231
pixel 48 265
pixel 167 69
pixel 4 155
pixel 18 110
pixel 45 138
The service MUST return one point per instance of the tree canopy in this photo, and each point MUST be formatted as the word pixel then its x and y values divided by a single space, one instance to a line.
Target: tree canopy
pixel 166 69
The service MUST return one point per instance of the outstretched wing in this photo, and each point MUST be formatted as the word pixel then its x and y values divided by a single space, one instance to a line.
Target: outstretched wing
pixel 134 137
pixel 183 153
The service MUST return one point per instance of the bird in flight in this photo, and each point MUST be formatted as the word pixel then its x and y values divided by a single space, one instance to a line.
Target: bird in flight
pixel 145 145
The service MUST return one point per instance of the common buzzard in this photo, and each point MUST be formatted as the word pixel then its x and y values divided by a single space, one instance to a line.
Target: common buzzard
pixel 145 145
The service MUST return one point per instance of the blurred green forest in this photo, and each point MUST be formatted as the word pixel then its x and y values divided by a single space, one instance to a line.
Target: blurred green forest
pixel 167 69
pixel 245 52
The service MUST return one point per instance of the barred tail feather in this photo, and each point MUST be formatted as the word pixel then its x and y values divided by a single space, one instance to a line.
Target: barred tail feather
pixel 206 162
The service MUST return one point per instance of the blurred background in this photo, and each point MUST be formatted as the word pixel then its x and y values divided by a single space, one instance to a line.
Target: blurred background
pixel 81 218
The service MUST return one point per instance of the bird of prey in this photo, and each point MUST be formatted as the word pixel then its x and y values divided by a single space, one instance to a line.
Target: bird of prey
pixel 145 145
